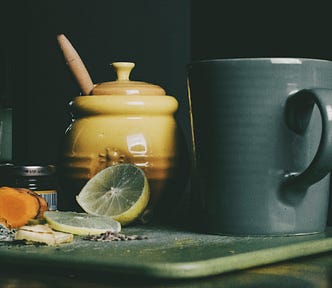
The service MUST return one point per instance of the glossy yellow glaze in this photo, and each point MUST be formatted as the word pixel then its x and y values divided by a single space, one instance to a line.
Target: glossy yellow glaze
pixel 111 129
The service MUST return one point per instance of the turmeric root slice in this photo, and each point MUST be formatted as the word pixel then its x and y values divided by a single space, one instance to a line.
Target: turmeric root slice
pixel 17 207
pixel 43 206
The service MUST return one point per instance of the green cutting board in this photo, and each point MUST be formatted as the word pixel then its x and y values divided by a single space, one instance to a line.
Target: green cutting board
pixel 166 253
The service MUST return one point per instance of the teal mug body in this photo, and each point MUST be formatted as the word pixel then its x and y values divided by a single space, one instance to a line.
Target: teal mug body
pixel 262 145
pixel 5 135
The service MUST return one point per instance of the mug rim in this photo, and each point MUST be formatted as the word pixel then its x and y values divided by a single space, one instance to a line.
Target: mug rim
pixel 273 60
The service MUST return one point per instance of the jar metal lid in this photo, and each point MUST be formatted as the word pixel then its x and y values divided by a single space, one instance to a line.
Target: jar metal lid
pixel 30 170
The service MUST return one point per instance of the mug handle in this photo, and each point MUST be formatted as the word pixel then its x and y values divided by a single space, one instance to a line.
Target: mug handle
pixel 298 112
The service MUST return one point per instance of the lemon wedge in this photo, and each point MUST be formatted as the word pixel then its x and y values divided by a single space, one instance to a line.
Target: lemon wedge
pixel 120 191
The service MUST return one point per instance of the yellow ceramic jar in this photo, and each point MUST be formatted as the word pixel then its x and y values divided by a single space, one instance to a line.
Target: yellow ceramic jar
pixel 135 125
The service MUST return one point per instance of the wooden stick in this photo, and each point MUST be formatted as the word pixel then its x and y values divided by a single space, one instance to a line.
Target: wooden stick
pixel 76 65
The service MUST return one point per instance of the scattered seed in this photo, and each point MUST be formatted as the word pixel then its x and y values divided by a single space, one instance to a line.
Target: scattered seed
pixel 111 236
pixel 6 234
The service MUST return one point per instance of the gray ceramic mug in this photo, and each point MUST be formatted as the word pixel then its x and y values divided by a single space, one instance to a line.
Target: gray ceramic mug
pixel 5 135
pixel 262 144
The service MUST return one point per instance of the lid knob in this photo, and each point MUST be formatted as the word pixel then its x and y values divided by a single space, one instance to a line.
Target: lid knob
pixel 123 86
pixel 123 69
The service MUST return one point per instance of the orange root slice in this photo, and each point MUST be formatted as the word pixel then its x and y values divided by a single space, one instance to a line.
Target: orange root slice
pixel 18 206
pixel 43 206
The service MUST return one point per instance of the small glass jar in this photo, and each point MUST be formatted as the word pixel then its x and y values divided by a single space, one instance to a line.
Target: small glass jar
pixel 38 178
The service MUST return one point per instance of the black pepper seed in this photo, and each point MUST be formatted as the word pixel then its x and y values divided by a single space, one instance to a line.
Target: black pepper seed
pixel 111 236
pixel 6 234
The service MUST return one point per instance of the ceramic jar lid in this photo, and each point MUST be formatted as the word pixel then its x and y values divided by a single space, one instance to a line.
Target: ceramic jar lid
pixel 124 86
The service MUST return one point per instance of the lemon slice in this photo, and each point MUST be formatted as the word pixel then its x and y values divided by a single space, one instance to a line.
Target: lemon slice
pixel 120 191
pixel 80 223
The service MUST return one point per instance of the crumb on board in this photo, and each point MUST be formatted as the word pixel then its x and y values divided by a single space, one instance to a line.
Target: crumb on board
pixel 111 236
pixel 6 234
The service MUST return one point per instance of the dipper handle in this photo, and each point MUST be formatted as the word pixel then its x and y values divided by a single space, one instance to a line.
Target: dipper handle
pixel 76 65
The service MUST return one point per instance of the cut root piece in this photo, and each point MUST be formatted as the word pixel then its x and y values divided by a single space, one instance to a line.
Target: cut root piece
pixel 42 234
pixel 19 205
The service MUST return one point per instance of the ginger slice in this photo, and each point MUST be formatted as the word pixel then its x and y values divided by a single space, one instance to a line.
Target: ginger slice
pixel 42 234
pixel 18 206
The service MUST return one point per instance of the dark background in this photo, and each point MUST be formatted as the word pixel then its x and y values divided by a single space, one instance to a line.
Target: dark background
pixel 160 36
pixel 153 34
pixel 223 29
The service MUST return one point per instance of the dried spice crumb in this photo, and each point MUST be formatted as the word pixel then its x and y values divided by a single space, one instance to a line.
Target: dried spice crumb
pixel 6 234
pixel 111 236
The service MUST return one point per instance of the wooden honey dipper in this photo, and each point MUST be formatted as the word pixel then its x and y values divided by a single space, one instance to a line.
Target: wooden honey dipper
pixel 76 65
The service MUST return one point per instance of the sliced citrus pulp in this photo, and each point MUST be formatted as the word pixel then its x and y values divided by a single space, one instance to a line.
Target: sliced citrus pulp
pixel 80 223
pixel 120 191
